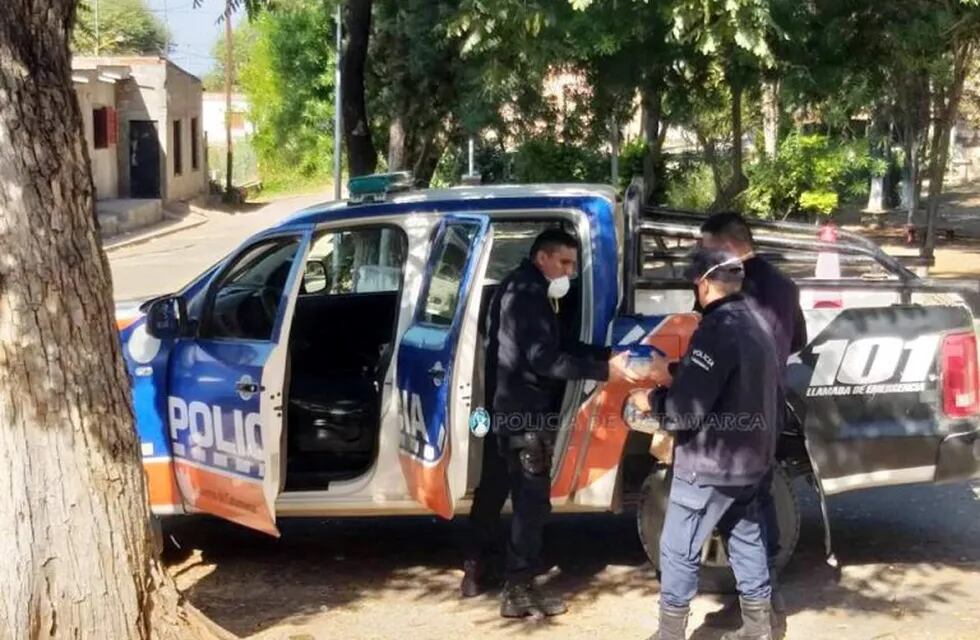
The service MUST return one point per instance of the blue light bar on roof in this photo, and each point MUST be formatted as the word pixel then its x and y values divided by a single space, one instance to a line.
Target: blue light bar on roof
pixel 376 187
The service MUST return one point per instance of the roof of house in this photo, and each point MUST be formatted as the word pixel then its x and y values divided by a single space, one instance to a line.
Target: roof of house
pixel 92 62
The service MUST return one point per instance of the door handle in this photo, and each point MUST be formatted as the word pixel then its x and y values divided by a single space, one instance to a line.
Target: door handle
pixel 249 387
pixel 437 373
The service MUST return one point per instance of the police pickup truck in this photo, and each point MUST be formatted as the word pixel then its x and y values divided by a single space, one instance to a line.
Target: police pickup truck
pixel 332 364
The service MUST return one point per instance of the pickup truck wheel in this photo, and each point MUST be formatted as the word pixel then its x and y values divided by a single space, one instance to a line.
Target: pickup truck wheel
pixel 716 572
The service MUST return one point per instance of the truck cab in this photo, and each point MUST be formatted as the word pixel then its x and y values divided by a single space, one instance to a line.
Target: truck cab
pixel 333 365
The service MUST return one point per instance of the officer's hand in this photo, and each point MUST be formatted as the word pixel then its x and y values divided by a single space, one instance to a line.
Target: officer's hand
pixel 660 372
pixel 641 400
pixel 619 368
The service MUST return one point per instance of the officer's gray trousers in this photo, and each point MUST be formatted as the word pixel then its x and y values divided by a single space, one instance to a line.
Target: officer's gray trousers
pixel 692 514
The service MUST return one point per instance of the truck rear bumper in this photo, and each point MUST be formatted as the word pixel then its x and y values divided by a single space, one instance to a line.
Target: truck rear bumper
pixel 959 457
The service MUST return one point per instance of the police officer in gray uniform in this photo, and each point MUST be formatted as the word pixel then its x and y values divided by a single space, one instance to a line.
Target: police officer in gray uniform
pixel 721 408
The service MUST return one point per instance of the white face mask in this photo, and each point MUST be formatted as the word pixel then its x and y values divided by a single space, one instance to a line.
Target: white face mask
pixel 558 287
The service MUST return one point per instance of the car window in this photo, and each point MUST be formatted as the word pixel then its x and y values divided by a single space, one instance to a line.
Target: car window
pixel 512 242
pixel 366 260
pixel 245 302
pixel 442 296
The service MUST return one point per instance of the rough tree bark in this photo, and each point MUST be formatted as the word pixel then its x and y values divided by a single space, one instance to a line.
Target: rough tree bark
pixel 396 144
pixel 362 157
pixel 770 116
pixel 946 109
pixel 79 560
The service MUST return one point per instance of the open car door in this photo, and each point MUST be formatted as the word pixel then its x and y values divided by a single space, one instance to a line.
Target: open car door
pixel 435 364
pixel 225 404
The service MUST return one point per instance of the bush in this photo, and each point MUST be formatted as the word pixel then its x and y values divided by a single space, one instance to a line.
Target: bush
pixel 546 159
pixel 690 185
pixel 492 163
pixel 813 174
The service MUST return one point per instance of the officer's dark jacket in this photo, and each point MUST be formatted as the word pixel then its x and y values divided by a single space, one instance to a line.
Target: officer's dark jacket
pixel 778 300
pixel 723 400
pixel 527 360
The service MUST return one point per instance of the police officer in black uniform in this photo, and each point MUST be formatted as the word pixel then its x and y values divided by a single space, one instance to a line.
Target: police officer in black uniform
pixel 528 365
pixel 721 408
pixel 778 299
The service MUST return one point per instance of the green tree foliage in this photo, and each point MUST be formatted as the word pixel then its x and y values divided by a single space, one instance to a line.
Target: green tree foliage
pixel 125 27
pixel 871 77
pixel 288 77
pixel 243 41
pixel 811 174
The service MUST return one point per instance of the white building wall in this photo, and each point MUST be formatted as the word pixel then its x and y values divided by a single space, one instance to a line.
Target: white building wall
pixel 105 170
pixel 214 117
pixel 184 104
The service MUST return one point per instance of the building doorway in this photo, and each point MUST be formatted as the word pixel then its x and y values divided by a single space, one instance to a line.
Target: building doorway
pixel 144 159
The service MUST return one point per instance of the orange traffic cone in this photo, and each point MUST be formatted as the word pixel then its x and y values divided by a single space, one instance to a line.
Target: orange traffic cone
pixel 828 268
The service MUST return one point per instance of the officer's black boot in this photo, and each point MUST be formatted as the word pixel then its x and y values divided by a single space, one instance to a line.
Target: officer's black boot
pixel 756 624
pixel 673 623
pixel 522 599
pixel 480 575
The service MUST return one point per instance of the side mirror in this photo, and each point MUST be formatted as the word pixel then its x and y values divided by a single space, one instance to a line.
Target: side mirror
pixel 166 318
pixel 314 277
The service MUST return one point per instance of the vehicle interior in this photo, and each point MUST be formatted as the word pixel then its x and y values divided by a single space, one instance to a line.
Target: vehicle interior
pixel 340 349
pixel 512 241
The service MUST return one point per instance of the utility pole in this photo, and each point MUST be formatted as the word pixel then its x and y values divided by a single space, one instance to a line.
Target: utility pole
pixel 96 27
pixel 166 31
pixel 338 133
pixel 229 72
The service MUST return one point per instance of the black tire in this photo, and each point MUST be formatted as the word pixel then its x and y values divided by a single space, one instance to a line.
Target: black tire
pixel 716 575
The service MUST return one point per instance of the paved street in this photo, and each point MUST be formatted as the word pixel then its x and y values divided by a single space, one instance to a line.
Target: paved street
pixel 169 262
pixel 909 556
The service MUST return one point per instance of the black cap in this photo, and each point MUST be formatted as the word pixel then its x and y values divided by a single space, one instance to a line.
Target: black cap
pixel 713 264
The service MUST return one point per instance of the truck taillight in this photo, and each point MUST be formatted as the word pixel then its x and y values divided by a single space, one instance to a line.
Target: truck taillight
pixel 961 387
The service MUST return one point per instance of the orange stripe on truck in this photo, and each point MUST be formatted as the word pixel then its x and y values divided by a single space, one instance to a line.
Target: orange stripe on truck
pixel 161 483
pixel 599 433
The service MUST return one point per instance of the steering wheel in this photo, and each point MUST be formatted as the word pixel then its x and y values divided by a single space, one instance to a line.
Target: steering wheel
pixel 269 297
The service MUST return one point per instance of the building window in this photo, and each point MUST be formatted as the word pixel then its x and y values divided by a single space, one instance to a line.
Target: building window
pixel 103 127
pixel 178 150
pixel 195 135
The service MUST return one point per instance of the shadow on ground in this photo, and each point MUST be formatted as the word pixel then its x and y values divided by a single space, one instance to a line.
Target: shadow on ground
pixel 247 582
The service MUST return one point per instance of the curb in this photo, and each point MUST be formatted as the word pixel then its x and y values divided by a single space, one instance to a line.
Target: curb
pixel 159 230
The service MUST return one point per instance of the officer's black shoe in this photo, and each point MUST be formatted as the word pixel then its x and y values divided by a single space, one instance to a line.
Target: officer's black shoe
pixel 756 623
pixel 673 623
pixel 479 576
pixel 521 600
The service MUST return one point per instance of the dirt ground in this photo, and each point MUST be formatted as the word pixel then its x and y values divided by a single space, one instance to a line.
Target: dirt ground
pixel 908 557
pixel 909 568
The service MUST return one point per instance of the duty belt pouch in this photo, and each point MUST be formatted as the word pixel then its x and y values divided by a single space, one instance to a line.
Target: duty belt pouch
pixel 534 453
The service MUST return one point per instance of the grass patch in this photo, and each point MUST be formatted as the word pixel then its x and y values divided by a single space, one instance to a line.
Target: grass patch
pixel 279 185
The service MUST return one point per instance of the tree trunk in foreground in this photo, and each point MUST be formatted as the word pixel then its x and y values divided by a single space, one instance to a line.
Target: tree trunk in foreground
pixel 78 556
